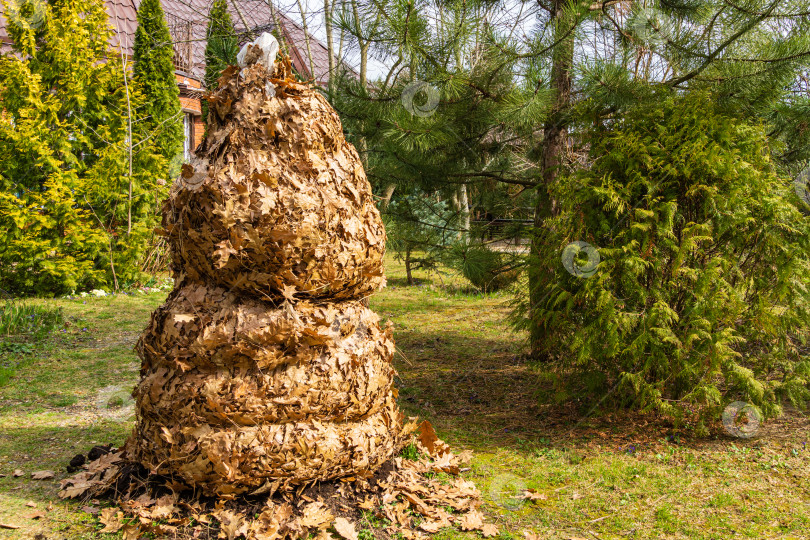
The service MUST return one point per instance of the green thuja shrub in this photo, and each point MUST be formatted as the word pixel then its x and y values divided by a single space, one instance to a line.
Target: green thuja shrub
pixel 74 213
pixel 700 296
pixel 153 70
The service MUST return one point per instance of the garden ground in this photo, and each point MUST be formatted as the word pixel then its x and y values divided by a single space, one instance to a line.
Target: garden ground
pixel 597 475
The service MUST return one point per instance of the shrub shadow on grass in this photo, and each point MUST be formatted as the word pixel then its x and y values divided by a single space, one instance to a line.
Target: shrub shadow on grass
pixel 480 389
pixel 482 393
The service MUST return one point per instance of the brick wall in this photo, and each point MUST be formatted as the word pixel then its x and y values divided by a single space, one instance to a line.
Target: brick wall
pixel 190 105
pixel 199 130
pixel 188 81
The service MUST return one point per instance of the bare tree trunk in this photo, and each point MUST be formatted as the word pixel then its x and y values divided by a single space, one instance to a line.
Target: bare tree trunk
pixel 129 127
pixel 364 44
pixel 242 18
pixel 340 45
pixel 408 272
pixel 555 142
pixel 464 209
pixel 386 198
pixel 129 155
pixel 306 38
pixel 364 63
pixel 282 34
pixel 330 45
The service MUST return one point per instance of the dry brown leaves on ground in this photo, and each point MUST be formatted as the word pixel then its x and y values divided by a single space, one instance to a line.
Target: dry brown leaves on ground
pixel 406 495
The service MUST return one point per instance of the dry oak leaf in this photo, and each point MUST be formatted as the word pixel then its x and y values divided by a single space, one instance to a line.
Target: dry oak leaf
pixel 532 495
pixel 472 521
pixel 447 463
pixel 433 526
pixel 368 503
pixel 8 526
pixel 316 516
pixel 17 473
pixel 42 475
pixel 112 519
pixel 131 532
pixel 429 439
pixel 35 515
pixel 31 504
pixel 231 524
pixel 345 528
pixel 489 530
pixel 77 489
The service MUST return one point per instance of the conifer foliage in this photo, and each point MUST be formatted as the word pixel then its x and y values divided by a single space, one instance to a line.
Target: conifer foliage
pixel 221 45
pixel 700 293
pixel 65 205
pixel 154 72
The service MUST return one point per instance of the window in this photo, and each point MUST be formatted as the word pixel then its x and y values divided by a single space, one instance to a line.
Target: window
pixel 188 136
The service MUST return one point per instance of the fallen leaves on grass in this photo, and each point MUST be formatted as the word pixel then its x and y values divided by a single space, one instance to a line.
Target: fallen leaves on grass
pixel 402 490
pixel 8 526
pixel 112 519
pixel 345 528
pixel 533 495
pixel 17 473
pixel 472 521
pixel 35 515
pixel 42 475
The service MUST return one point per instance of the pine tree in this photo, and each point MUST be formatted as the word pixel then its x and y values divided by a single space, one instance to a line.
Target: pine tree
pixel 655 45
pixel 68 220
pixel 512 118
pixel 154 72
pixel 221 45
pixel 584 62
pixel 446 123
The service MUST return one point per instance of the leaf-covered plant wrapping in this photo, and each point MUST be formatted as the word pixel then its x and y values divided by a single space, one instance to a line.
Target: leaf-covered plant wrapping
pixel 285 202
pixel 264 370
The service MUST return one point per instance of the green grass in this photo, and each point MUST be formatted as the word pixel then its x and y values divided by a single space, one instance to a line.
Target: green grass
pixel 605 475
pixel 25 326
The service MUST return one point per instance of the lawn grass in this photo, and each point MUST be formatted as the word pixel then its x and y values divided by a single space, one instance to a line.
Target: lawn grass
pixel 599 475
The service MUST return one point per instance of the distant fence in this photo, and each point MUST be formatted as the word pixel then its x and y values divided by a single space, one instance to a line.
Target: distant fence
pixel 513 232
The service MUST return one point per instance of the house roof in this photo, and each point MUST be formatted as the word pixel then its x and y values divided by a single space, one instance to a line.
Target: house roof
pixel 188 20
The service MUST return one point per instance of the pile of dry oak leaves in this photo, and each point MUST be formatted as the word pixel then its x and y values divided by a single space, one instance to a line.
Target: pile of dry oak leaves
pixel 265 407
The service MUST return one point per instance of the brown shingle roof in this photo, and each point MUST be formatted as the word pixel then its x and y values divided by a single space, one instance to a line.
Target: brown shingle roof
pixel 188 20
